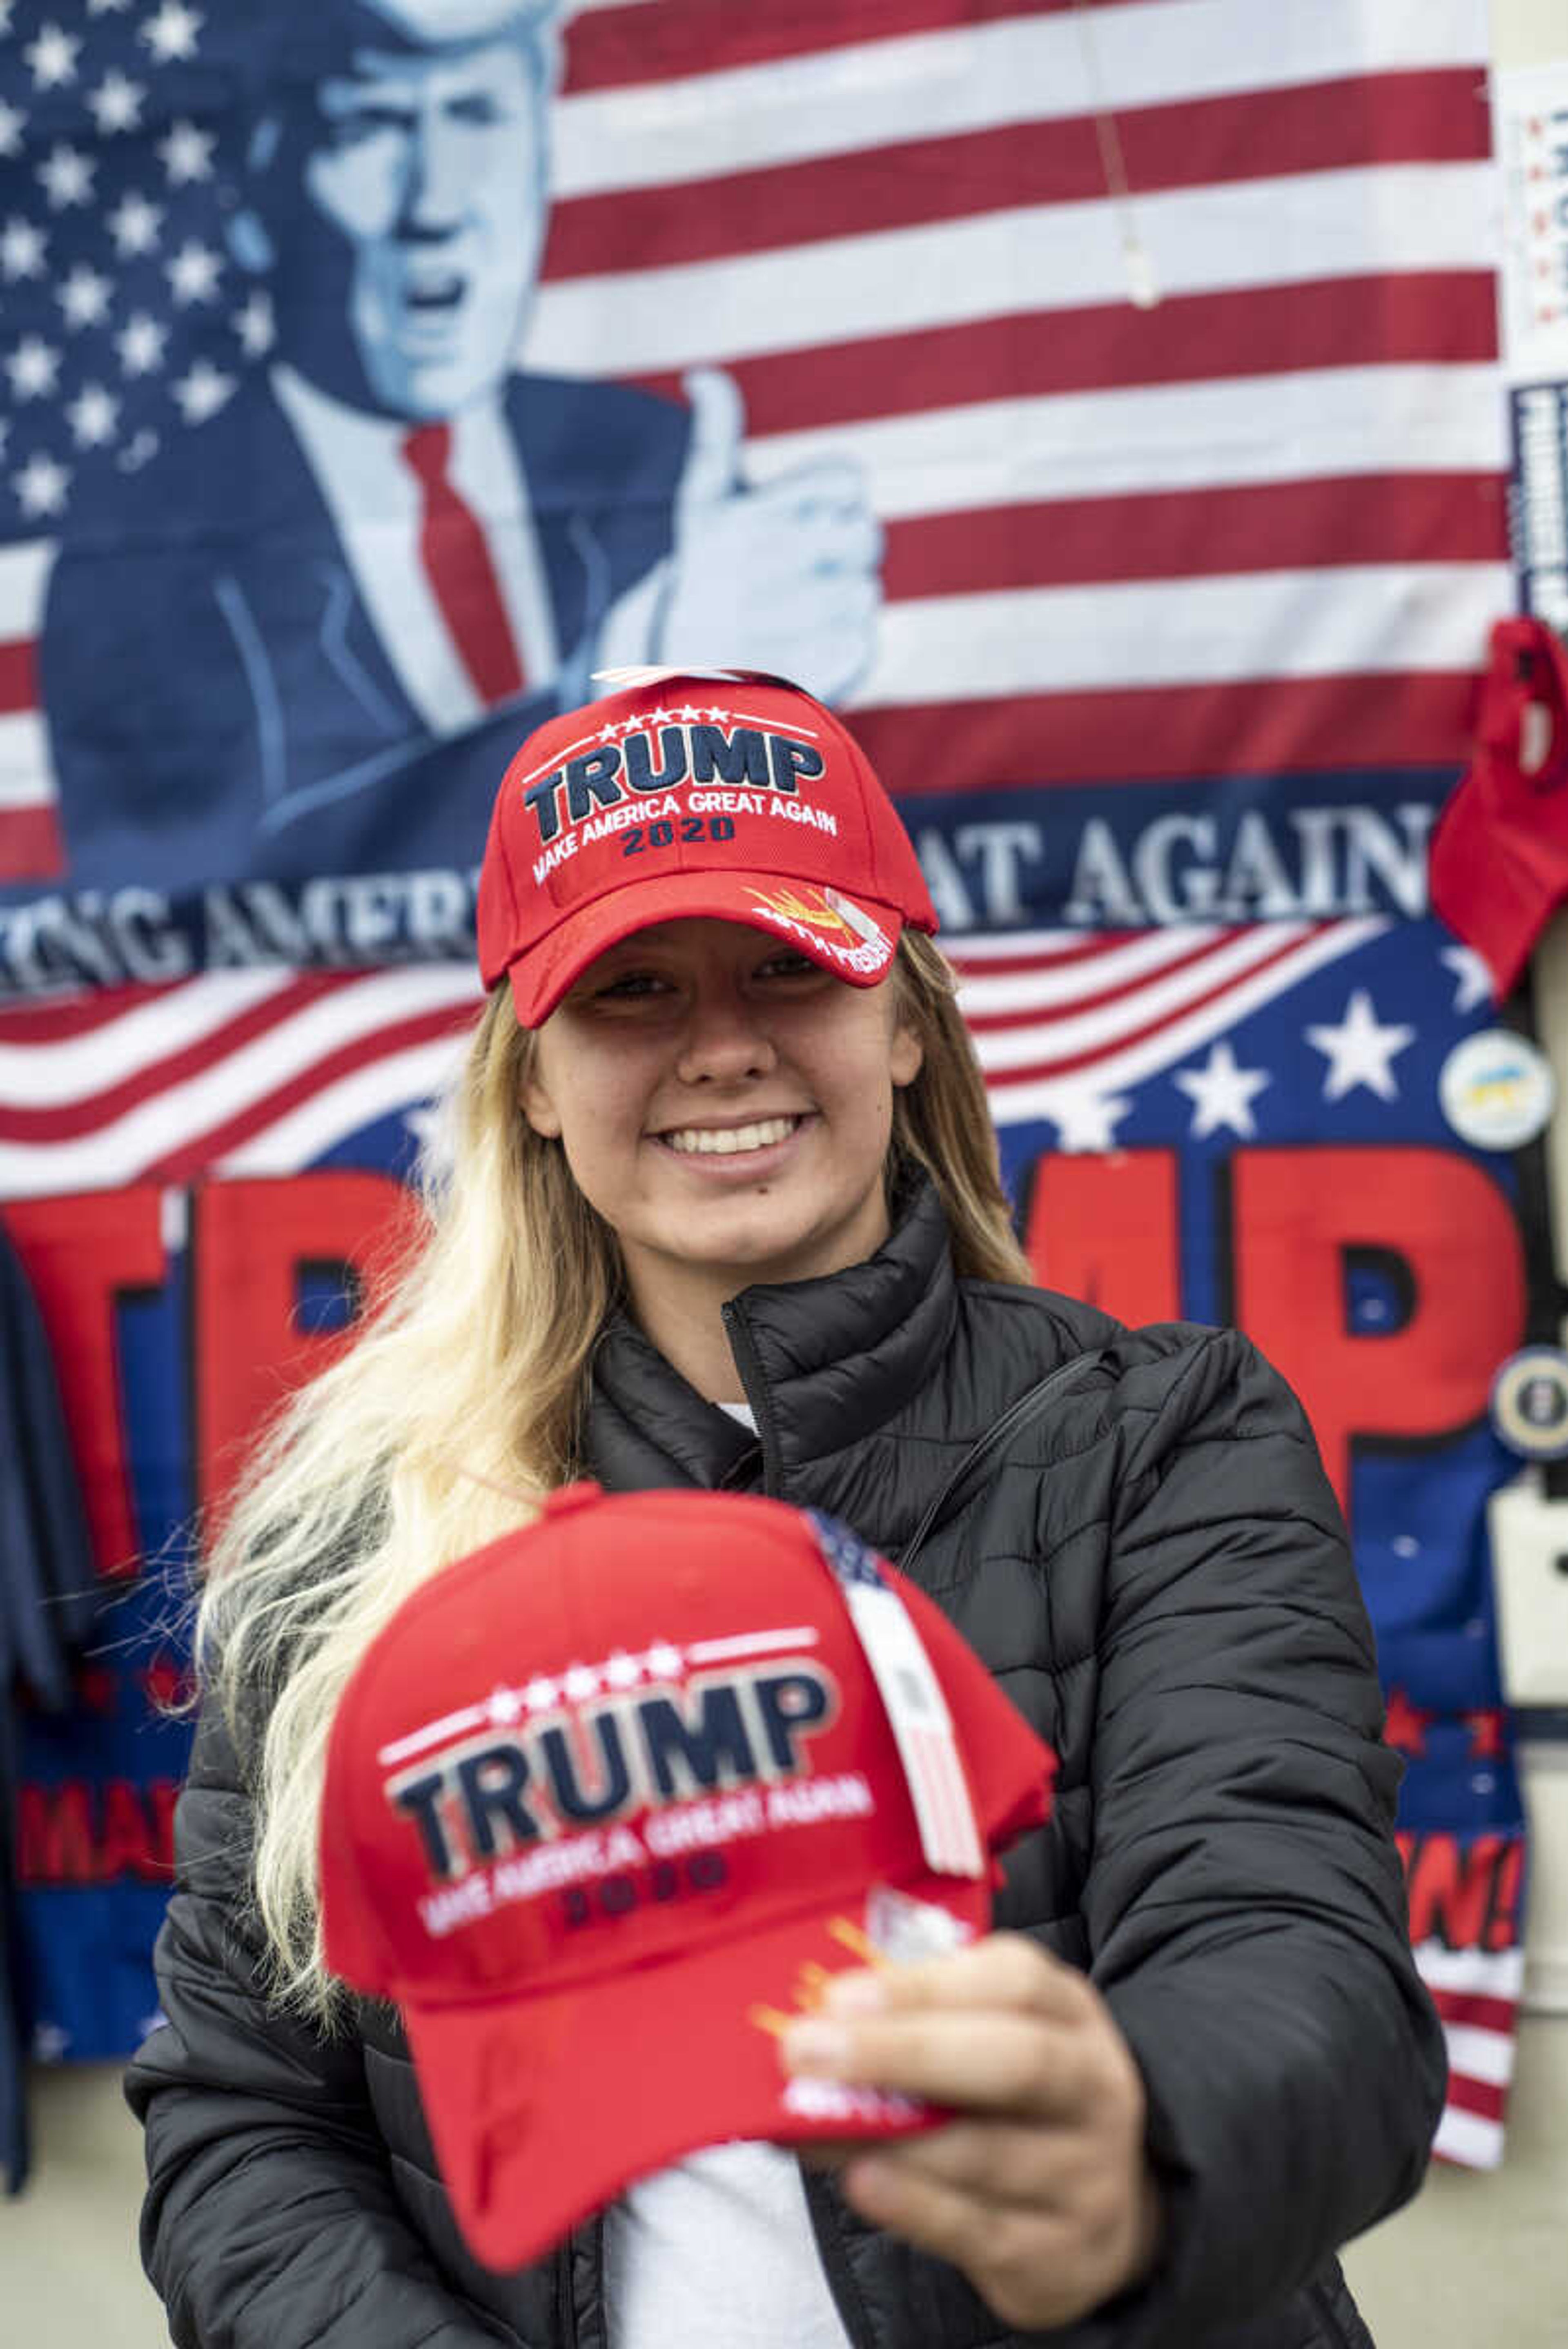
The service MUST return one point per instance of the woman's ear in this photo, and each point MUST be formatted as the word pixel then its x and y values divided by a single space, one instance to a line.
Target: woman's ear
pixel 539 1109
pixel 907 1056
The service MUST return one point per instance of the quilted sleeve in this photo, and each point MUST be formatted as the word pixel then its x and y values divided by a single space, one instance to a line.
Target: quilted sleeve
pixel 270 2220
pixel 1245 1901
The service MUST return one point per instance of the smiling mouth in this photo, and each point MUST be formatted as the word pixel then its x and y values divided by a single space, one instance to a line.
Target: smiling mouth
pixel 433 295
pixel 730 1140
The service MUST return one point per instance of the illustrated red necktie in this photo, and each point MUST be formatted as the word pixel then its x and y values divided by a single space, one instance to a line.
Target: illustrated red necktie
pixel 458 565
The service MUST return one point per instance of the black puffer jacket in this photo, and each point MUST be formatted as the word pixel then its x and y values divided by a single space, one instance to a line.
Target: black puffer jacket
pixel 1156 1572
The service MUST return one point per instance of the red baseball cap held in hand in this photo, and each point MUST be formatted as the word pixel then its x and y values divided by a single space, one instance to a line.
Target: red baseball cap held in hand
pixel 721 792
pixel 607 1803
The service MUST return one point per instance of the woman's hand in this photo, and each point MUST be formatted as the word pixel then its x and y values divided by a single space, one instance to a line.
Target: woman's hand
pixel 1040 2189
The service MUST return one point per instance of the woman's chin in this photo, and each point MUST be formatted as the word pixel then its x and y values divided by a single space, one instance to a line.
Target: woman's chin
pixel 766 1246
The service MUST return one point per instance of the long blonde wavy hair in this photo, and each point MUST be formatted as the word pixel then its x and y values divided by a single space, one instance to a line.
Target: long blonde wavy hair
pixel 460 1402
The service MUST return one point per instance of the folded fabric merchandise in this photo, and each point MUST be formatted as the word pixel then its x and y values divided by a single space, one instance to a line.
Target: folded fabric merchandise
pixel 607 1803
pixel 1499 855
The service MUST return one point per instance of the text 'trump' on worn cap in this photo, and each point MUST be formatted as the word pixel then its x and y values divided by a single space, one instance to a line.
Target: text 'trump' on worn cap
pixel 605 1803
pixel 723 793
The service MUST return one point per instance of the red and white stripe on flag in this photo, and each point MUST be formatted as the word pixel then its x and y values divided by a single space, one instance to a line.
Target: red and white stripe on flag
pixel 1477 1994
pixel 1258 527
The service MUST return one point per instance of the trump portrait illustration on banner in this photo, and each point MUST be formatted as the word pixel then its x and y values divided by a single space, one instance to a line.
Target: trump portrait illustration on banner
pixel 306 637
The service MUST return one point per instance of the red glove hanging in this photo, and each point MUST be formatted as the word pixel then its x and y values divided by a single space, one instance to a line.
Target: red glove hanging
pixel 1500 851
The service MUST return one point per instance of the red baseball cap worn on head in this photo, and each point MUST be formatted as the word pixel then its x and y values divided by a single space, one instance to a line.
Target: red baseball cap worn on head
pixel 722 794
pixel 607 1802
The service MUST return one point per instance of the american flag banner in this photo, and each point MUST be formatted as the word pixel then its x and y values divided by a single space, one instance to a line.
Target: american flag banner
pixel 1100 393
pixel 1097 401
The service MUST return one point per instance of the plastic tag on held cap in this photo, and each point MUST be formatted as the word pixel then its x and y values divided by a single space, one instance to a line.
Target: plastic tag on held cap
pixel 905 1931
pixel 913 1700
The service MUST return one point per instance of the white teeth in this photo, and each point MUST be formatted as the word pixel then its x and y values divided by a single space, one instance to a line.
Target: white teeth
pixel 707 1141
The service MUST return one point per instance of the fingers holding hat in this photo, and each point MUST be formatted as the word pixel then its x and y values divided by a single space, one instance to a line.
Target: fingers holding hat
pixel 1001 2027
pixel 1040 2188
pixel 1006 1972
pixel 1043 2236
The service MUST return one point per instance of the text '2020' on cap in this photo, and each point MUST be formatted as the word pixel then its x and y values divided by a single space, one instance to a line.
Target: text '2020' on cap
pixel 605 1803
pixel 722 794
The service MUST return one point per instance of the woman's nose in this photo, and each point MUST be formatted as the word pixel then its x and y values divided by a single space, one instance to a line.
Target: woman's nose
pixel 726 1040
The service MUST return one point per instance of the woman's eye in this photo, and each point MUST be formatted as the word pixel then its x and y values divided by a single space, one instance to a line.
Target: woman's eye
pixel 788 965
pixel 631 987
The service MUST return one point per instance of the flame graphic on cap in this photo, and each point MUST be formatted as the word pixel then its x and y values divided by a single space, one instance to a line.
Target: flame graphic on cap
pixel 821 916
pixel 812 1981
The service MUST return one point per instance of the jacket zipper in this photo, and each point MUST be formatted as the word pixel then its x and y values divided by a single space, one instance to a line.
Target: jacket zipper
pixel 749 1362
pixel 968 1476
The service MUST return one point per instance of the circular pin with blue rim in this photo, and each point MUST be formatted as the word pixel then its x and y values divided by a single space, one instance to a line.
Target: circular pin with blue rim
pixel 1530 1404
pixel 1497 1090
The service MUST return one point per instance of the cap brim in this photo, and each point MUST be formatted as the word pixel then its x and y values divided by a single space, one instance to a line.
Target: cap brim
pixel 854 939
pixel 544 2109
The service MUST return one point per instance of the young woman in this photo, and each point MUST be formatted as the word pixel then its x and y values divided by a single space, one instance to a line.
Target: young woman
pixel 723 1211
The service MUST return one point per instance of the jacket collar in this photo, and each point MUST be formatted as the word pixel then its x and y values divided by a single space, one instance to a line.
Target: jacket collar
pixel 824 1363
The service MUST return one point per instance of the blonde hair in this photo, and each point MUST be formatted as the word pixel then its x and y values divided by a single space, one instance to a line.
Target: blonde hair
pixel 942 1122
pixel 462 1403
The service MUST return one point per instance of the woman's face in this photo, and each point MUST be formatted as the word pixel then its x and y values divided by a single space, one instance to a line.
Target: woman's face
pixel 725 1105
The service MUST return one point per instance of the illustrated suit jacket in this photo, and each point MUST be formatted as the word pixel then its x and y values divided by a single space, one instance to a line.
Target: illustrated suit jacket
pixel 219 704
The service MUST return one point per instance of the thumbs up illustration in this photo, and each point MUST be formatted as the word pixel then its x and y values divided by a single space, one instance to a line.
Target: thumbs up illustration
pixel 782 577
pixel 713 471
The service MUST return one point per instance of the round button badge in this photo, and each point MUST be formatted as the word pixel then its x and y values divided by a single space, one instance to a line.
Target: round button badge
pixel 1497 1090
pixel 1530 1404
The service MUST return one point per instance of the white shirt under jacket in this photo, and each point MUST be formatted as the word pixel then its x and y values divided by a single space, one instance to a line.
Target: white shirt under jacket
pixel 718 2248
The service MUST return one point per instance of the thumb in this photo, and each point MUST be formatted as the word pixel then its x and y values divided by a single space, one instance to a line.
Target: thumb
pixel 713 454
